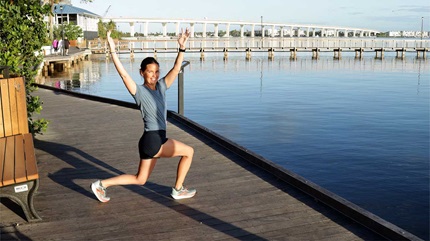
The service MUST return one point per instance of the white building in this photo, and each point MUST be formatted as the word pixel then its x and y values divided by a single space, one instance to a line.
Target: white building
pixel 83 18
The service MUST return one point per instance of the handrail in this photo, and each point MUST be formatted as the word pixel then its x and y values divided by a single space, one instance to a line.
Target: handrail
pixel 181 88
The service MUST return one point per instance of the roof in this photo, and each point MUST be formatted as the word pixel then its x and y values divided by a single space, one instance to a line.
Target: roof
pixel 69 9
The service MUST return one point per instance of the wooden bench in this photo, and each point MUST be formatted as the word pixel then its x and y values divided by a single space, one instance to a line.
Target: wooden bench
pixel 19 178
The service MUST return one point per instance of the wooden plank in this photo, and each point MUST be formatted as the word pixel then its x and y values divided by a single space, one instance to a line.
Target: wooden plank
pixel 20 173
pixel 21 102
pixel 30 158
pixel 9 164
pixel 13 107
pixel 1 116
pixel 7 122
pixel 2 157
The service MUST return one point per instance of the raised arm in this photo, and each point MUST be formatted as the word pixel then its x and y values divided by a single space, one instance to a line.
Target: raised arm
pixel 173 73
pixel 126 78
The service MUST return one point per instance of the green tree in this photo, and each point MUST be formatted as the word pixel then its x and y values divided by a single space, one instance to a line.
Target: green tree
pixel 71 31
pixel 22 34
pixel 104 27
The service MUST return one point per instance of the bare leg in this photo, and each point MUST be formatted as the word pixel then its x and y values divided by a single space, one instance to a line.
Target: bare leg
pixel 145 169
pixel 174 148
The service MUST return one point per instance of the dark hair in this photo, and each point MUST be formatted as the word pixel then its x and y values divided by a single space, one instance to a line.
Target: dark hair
pixel 146 61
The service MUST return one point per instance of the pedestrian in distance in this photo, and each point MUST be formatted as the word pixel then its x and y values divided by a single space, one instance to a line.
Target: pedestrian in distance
pixel 55 45
pixel 151 100
pixel 66 45
pixel 60 46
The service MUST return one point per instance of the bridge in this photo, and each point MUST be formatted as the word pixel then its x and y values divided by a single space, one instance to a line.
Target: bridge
pixel 272 29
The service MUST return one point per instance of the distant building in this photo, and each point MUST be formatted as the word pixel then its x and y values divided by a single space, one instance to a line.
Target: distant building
pixel 408 34
pixel 81 17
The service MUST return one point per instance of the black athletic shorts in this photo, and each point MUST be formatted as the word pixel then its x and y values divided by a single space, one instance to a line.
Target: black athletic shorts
pixel 150 143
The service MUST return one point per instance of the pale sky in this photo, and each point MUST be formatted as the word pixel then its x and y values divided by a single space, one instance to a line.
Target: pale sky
pixel 381 15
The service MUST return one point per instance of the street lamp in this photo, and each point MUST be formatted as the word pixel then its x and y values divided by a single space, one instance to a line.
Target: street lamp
pixel 261 31
pixel 422 24
pixel 62 29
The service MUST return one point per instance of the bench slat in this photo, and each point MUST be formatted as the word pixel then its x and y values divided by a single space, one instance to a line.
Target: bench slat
pixel 7 123
pixel 13 107
pixel 1 116
pixel 2 157
pixel 9 166
pixel 20 173
pixel 21 102
pixel 30 158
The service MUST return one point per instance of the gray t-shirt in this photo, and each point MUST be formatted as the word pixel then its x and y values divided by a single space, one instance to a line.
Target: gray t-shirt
pixel 152 105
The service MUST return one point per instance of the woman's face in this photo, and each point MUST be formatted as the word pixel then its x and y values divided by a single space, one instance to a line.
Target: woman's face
pixel 151 73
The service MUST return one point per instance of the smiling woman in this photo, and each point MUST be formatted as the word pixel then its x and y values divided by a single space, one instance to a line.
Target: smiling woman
pixel 151 99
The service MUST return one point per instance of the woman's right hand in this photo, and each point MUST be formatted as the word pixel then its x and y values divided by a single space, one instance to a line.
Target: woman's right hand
pixel 110 41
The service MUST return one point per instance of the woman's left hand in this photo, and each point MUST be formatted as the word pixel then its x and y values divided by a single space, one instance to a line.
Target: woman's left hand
pixel 183 37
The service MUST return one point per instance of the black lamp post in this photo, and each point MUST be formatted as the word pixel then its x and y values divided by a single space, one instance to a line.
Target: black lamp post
pixel 62 29
pixel 422 25
pixel 262 31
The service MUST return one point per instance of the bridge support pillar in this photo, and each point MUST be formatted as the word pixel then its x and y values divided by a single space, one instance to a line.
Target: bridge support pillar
pixel 337 53
pixel 315 53
pixel 381 50
pixel 293 53
pixel 424 52
pixel 248 54
pixel 402 51
pixel 359 53
pixel 202 54
pixel 271 54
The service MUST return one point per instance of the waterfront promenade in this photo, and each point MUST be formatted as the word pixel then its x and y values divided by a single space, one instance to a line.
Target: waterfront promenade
pixel 87 140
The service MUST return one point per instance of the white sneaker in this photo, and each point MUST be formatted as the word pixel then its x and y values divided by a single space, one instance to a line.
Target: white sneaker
pixel 99 191
pixel 183 193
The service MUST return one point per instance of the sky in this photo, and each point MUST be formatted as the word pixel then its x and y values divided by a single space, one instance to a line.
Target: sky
pixel 381 15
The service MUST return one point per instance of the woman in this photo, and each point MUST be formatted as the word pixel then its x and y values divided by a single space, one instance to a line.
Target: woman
pixel 150 97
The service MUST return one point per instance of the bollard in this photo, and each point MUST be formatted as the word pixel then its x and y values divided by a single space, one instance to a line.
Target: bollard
pixel 155 54
pixel 225 53
pixel 131 54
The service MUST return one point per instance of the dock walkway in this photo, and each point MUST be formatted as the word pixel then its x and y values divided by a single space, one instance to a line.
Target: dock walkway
pixel 87 140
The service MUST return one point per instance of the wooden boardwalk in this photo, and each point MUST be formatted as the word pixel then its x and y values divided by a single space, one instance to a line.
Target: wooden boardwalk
pixel 88 140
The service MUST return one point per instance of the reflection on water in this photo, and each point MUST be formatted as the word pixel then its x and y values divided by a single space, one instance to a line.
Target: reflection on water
pixel 358 127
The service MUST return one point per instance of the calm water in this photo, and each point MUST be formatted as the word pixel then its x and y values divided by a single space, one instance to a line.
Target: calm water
pixel 359 128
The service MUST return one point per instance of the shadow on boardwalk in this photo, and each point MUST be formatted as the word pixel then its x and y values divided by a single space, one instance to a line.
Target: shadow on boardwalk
pixel 89 140
pixel 80 160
